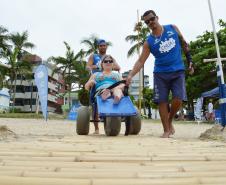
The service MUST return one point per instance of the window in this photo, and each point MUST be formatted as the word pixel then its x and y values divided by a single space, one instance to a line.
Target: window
pixel 28 101
pixel 20 89
pixel 19 102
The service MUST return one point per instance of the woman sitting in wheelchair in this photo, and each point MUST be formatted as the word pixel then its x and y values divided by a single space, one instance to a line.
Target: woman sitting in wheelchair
pixel 106 78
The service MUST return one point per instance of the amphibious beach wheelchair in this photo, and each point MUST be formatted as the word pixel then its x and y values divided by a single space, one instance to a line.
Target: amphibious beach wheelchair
pixel 111 114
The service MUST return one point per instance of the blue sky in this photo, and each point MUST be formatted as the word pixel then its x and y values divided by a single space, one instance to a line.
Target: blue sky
pixel 50 22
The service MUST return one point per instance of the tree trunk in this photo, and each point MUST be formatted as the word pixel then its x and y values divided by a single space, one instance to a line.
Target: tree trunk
pixel 14 92
pixel 144 107
pixel 69 94
pixel 149 112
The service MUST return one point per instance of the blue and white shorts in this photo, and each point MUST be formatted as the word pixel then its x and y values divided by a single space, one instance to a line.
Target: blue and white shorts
pixel 166 82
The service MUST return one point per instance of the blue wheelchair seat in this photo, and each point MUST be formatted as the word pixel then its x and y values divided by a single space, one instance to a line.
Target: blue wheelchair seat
pixel 107 107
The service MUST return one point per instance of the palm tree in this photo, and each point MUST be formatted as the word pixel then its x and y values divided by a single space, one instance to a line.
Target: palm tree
pixel 72 66
pixel 81 73
pixel 82 76
pixel 20 41
pixel 92 45
pixel 3 74
pixel 3 40
pixel 13 55
pixel 138 39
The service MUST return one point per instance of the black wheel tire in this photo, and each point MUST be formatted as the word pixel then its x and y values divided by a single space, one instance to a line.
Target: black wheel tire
pixel 83 118
pixel 135 124
pixel 112 126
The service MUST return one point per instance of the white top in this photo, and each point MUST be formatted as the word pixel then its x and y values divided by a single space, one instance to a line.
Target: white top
pixel 210 107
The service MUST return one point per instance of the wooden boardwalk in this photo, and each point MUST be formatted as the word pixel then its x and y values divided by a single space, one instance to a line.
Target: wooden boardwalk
pixel 100 160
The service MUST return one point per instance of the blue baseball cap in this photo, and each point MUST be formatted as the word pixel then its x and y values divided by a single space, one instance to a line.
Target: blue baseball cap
pixel 101 41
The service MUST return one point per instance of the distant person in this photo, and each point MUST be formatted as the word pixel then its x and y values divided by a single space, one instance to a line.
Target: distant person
pixel 210 115
pixel 165 42
pixel 103 80
pixel 93 63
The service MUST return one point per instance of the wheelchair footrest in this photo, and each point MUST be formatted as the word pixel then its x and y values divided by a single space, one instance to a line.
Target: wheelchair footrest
pixel 124 108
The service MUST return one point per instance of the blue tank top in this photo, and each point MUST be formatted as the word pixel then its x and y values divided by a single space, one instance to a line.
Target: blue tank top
pixel 96 61
pixel 105 81
pixel 166 50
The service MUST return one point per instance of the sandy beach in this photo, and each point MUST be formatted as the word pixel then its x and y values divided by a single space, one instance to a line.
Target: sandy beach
pixel 64 128
pixel 37 152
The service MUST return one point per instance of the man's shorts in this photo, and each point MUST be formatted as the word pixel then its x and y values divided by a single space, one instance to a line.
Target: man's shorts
pixel 166 82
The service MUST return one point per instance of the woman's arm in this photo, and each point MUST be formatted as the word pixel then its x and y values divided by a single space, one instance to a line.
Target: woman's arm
pixel 90 66
pixel 90 82
pixel 116 67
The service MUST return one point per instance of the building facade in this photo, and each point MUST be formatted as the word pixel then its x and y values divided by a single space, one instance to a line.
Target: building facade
pixel 26 97
pixel 134 86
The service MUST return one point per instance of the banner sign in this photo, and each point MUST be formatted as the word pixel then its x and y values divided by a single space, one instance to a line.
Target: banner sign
pixel 41 80
pixel 73 112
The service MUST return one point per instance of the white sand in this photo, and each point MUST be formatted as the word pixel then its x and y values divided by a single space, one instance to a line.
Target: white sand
pixel 38 127
pixel 51 153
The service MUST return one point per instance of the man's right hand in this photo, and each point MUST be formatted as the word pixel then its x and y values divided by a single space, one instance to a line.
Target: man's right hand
pixel 191 68
pixel 128 80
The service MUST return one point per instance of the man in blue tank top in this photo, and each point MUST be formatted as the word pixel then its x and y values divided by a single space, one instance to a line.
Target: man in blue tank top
pixel 93 63
pixel 165 43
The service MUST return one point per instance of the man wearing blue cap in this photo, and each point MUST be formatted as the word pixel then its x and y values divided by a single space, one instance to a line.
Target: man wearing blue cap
pixel 93 63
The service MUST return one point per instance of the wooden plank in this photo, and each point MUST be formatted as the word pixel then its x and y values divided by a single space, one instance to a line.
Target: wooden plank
pixel 126 174
pixel 6 180
pixel 40 159
pixel 167 181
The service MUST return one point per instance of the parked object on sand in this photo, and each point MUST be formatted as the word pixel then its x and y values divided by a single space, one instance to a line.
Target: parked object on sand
pixel 4 100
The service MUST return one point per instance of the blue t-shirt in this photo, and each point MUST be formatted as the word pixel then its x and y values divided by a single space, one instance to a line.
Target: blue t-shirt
pixel 105 81
pixel 166 50
pixel 96 61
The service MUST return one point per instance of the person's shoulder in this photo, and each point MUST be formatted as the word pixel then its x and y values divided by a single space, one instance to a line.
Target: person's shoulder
pixel 98 73
pixel 91 56
pixel 169 26
pixel 149 38
pixel 115 72
pixel 174 26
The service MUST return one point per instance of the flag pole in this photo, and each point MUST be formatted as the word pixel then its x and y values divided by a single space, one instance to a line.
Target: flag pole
pixel 220 74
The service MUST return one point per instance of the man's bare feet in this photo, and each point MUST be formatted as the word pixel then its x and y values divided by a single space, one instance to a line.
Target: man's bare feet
pixel 172 130
pixel 165 135
pixel 106 93
pixel 96 132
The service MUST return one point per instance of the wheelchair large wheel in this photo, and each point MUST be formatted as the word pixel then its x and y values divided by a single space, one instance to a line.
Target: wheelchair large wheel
pixel 83 118
pixel 112 126
pixel 135 124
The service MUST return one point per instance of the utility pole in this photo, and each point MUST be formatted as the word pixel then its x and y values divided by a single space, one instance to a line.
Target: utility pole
pixel 220 74
pixel 141 72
